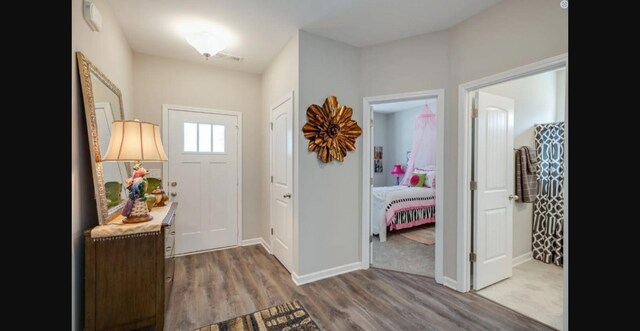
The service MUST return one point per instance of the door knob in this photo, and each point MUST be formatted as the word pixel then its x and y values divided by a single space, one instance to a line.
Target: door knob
pixel 173 194
pixel 174 184
pixel 514 197
pixel 288 195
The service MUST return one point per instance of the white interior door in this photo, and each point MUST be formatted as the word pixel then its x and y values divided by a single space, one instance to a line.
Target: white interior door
pixel 203 179
pixel 281 181
pixel 494 173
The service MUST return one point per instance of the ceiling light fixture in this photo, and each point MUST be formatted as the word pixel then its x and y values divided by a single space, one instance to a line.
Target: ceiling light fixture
pixel 206 43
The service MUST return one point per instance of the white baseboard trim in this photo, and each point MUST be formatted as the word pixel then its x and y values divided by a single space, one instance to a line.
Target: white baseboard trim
pixel 256 241
pixel 252 241
pixel 450 283
pixel 322 274
pixel 518 260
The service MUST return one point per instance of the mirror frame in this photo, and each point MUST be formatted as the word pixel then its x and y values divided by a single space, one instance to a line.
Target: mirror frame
pixel 85 68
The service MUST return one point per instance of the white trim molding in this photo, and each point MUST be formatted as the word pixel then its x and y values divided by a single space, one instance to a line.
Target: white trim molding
pixel 450 283
pixel 322 274
pixel 367 152
pixel 256 241
pixel 518 260
pixel 464 156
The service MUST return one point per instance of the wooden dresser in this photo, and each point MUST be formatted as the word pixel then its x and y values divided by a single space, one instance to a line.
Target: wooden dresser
pixel 128 274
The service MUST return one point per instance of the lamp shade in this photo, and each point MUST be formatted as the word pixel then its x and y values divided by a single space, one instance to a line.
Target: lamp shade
pixel 397 170
pixel 207 43
pixel 134 141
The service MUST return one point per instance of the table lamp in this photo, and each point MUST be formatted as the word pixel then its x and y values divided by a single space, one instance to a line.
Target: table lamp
pixel 135 141
pixel 397 170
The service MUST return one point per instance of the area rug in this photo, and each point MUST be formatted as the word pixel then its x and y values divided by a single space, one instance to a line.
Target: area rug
pixel 422 236
pixel 289 316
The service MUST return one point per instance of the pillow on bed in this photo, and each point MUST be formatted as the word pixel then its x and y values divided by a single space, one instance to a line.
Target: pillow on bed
pixel 417 180
pixel 430 181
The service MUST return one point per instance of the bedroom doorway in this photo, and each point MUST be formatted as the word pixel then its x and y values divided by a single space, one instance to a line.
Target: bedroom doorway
pixel 513 151
pixel 405 179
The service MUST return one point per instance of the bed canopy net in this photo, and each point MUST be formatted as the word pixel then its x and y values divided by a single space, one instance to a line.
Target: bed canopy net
pixel 423 149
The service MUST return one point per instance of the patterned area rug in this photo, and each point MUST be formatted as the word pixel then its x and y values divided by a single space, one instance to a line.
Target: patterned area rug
pixel 286 317
pixel 422 236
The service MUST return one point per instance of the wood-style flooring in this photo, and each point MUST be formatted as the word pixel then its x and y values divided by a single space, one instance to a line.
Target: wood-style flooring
pixel 216 286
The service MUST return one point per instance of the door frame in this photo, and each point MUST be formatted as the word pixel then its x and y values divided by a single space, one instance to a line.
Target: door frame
pixel 465 92
pixel 367 161
pixel 165 165
pixel 288 96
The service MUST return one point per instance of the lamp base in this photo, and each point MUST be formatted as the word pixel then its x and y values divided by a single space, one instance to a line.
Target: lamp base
pixel 397 180
pixel 137 219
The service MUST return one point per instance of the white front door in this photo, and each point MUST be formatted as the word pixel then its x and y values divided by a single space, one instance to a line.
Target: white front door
pixel 281 181
pixel 494 174
pixel 203 179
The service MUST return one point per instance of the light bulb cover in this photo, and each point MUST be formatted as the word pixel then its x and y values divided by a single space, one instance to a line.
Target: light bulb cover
pixel 206 43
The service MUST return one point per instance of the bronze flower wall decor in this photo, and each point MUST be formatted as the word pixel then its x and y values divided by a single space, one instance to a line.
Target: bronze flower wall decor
pixel 330 130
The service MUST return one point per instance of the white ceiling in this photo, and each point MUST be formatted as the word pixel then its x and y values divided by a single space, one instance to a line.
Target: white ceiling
pixel 260 28
pixel 392 107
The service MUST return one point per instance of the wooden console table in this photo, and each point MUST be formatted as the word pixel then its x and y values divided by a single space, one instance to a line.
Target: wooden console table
pixel 129 272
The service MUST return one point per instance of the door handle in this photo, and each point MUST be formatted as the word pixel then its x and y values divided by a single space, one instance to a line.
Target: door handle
pixel 514 197
pixel 173 194
pixel 174 183
pixel 288 195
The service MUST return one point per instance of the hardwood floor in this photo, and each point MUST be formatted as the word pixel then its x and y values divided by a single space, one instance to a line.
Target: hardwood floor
pixel 216 286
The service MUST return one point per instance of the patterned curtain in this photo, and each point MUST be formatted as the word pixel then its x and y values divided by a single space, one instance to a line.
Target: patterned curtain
pixel 548 210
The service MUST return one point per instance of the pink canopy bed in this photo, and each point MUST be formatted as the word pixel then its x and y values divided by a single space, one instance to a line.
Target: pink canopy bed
pixel 406 205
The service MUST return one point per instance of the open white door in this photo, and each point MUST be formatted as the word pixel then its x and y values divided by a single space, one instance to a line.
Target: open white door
pixel 281 181
pixel 494 174
pixel 203 178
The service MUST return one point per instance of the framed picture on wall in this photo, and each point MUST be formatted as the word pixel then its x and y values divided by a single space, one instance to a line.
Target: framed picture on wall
pixel 377 165
pixel 377 152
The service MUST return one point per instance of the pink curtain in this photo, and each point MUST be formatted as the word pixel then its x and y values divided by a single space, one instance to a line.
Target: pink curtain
pixel 423 150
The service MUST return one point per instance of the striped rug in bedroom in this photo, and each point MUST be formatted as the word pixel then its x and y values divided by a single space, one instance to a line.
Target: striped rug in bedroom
pixel 422 236
pixel 289 316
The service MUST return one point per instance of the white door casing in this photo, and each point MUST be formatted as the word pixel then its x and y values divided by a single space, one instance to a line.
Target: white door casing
pixel 207 179
pixel 494 174
pixel 282 179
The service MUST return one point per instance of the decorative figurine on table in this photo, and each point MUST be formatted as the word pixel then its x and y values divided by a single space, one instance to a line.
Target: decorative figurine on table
pixel 136 209
pixel 161 198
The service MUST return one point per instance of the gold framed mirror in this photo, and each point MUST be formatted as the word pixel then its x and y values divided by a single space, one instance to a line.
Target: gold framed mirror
pixel 102 105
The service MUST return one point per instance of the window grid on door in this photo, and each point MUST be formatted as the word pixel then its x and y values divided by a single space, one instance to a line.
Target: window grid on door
pixel 203 138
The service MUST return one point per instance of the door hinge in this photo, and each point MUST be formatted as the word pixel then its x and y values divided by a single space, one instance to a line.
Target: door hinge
pixel 272 231
pixel 371 181
pixel 472 257
pixel 370 239
pixel 371 123
pixel 473 185
pixel 272 179
pixel 271 125
pixel 474 113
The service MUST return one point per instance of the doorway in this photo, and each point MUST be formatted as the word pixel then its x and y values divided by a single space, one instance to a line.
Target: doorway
pixel 204 176
pixel 375 159
pixel 513 222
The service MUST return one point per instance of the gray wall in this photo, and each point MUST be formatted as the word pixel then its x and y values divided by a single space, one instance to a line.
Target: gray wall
pixel 109 51
pixel 330 194
pixel 159 80
pixel 281 77
pixel 510 34
pixel 535 103
pixel 380 138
